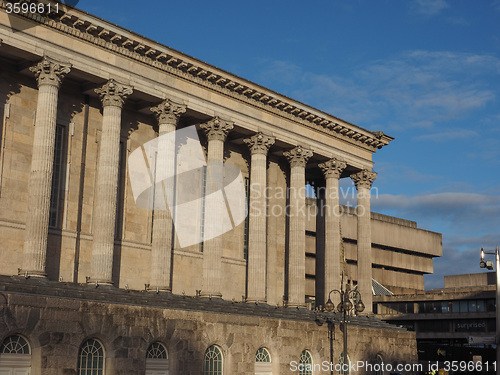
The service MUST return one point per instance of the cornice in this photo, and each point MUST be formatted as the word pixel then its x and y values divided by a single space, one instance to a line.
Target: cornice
pixel 94 30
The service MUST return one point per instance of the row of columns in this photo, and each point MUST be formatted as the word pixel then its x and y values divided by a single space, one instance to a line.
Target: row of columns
pixel 49 74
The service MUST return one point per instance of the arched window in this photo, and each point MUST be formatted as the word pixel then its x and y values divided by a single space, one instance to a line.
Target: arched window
pixel 307 363
pixel 344 368
pixel 15 355
pixel 91 358
pixel 15 345
pixel 379 361
pixel 213 361
pixel 263 364
pixel 157 359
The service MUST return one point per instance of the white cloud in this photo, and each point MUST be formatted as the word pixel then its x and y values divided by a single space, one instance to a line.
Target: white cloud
pixel 464 213
pixel 449 135
pixel 467 220
pixel 429 7
pixel 496 5
pixel 460 256
pixel 413 89
pixel 395 171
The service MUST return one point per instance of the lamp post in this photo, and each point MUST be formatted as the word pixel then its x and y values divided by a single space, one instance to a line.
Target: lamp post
pixel 345 307
pixel 489 265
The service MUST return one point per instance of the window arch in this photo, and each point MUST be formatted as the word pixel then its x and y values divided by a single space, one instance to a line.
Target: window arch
pixel 15 355
pixel 213 361
pixel 344 368
pixel 91 358
pixel 306 361
pixel 263 364
pixel 157 359
pixel 157 351
pixel 15 344
pixel 379 360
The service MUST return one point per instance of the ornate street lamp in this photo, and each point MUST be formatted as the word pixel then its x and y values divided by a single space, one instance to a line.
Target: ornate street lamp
pixel 350 301
pixel 489 265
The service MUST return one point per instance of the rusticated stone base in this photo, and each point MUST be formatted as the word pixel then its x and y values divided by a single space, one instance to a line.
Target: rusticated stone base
pixel 56 318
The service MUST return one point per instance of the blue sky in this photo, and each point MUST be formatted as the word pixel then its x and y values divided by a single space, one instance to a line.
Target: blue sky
pixel 426 72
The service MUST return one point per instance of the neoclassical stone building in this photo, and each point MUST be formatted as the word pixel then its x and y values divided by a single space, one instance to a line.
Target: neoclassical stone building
pixel 87 274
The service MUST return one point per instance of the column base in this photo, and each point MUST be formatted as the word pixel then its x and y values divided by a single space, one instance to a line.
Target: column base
pixel 296 305
pixel 97 283
pixel 27 274
pixel 214 295
pixel 158 289
pixel 367 314
pixel 256 300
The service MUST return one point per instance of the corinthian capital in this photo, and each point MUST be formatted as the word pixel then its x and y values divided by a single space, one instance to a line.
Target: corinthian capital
pixel 168 112
pixel 217 129
pixel 298 156
pixel 259 143
pixel 113 93
pixel 364 179
pixel 50 72
pixel 332 168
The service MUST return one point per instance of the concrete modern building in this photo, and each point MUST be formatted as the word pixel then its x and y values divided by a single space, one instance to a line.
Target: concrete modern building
pixel 92 281
pixel 456 323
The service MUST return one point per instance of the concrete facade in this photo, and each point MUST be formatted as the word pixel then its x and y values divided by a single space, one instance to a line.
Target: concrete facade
pixel 459 319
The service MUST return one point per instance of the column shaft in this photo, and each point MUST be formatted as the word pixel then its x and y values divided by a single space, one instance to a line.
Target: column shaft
pixel 256 290
pixel 257 234
pixel 297 227
pixel 106 194
pixel 332 170
pixel 216 131
pixel 167 114
pixel 297 239
pixel 112 95
pixel 363 181
pixel 332 237
pixel 49 74
pixel 37 221
pixel 364 248
pixel 213 248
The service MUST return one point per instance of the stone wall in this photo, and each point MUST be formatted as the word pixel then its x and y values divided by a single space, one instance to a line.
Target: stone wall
pixel 56 319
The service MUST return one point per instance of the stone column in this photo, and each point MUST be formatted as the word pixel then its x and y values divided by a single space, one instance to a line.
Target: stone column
pixel 257 251
pixel 363 181
pixel 297 226
pixel 332 170
pixel 49 74
pixel 167 114
pixel 113 95
pixel 216 131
